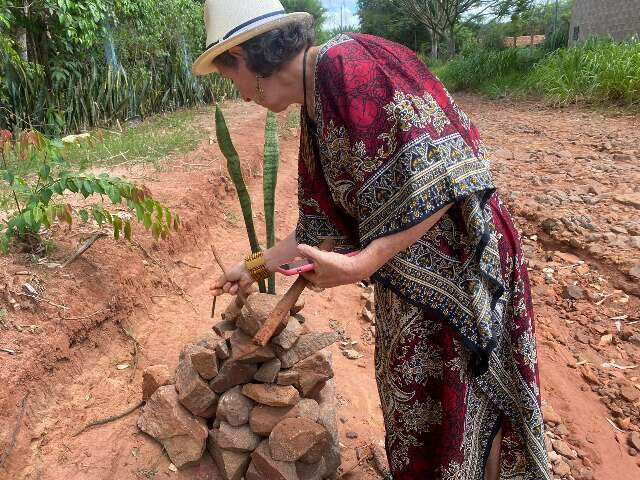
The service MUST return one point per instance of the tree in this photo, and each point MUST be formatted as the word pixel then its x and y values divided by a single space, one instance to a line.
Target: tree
pixel 442 17
pixel 314 7
pixel 377 18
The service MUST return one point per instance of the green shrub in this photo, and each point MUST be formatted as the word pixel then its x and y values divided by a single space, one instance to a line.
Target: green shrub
pixel 594 71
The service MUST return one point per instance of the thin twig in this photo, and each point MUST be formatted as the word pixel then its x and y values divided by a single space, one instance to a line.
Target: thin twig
pixel 85 316
pixel 8 350
pixel 14 436
pixel 84 247
pixel 181 291
pixel 360 462
pixel 110 419
pixel 241 296
pixel 188 264
pixel 42 299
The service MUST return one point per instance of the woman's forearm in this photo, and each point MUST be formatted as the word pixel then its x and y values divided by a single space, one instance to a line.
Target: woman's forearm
pixel 380 251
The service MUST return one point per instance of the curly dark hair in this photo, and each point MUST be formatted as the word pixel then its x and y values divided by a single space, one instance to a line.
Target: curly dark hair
pixel 270 51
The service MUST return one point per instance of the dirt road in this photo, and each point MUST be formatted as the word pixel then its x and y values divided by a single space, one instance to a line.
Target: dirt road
pixel 572 179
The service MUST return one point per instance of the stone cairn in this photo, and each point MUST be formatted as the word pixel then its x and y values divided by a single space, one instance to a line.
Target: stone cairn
pixel 266 412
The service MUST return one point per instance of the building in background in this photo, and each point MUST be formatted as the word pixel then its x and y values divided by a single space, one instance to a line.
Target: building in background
pixel 619 19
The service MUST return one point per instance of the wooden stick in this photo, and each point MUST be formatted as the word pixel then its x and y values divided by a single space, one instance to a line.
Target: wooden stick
pixel 113 418
pixel 83 248
pixel 241 296
pixel 14 436
pixel 284 306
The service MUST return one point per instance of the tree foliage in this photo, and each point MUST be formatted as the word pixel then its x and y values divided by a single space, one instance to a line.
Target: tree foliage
pixel 314 7
pixel 377 18
pixel 442 17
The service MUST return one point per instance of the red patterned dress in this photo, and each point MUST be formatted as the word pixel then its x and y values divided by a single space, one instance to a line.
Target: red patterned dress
pixel 455 350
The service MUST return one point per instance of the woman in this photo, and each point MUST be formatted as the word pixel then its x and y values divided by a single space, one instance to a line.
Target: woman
pixel 389 165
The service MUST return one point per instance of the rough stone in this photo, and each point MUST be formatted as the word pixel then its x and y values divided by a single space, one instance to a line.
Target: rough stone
pixel 573 292
pixel 289 336
pixel 252 473
pixel 232 465
pixel 233 310
pixel 193 392
pixel 182 435
pixel 634 440
pixel 272 395
pixel 630 394
pixel 351 435
pixel 222 350
pixel 635 271
pixel 328 419
pixel 204 360
pixel 153 378
pixel 210 340
pixel 268 371
pixel 234 407
pixel 563 448
pixel 261 304
pixel 629 199
pixel 244 350
pixel 232 374
pixel 380 459
pixel 270 468
pixel 313 373
pixel 550 415
pixel 561 468
pixel 306 346
pixel 237 439
pixel 264 418
pixel 298 307
pixel 296 439
pixel 311 471
pixel 225 328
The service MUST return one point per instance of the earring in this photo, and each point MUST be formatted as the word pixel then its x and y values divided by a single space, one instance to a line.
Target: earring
pixel 259 89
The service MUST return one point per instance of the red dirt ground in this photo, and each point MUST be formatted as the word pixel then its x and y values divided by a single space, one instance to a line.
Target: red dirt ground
pixel 552 166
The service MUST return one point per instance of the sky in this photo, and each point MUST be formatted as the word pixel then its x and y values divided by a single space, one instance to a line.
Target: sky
pixel 350 13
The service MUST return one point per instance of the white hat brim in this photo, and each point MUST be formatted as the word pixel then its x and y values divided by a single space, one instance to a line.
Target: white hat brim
pixel 204 63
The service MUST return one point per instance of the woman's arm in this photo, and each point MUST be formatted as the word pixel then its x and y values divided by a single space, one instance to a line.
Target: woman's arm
pixel 332 269
pixel 239 277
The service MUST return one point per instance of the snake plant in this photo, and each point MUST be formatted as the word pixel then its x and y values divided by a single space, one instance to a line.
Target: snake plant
pixel 270 179
pixel 235 171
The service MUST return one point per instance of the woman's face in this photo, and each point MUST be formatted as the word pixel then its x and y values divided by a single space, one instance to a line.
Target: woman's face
pixel 246 82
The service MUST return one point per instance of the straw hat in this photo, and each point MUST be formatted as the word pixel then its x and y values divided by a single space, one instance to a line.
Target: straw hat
pixel 230 23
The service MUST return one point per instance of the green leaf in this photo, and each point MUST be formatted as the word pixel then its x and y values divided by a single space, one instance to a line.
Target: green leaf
pixel 158 212
pixel 127 230
pixel 45 172
pixel 114 194
pixel 117 226
pixel 155 230
pixel 9 176
pixel 167 215
pixel 37 214
pixel 87 188
pixel 84 215
pixel 147 220
pixel 97 215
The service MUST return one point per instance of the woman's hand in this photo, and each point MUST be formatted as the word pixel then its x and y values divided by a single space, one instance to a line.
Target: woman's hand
pixel 331 269
pixel 237 278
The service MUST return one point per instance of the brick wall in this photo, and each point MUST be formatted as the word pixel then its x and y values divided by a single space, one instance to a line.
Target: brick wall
pixel 618 18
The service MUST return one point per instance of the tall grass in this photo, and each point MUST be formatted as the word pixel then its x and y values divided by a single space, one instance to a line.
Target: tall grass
pixel 596 71
pixel 77 96
pixel 484 66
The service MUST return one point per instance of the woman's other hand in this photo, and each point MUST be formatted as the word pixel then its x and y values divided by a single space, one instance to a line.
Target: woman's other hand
pixel 237 278
pixel 330 269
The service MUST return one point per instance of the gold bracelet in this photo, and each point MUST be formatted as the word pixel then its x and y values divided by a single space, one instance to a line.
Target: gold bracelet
pixel 256 266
